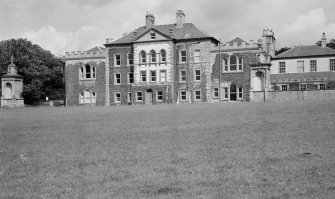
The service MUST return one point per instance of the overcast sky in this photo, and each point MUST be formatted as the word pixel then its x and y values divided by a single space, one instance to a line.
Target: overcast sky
pixel 72 25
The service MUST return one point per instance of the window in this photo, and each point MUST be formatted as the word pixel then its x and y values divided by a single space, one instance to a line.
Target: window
pixel 163 76
pixel 87 72
pixel 216 92
pixel 322 86
pixel 117 97
pixel 182 75
pixel 332 64
pixel 153 75
pixel 143 59
pixel 143 76
pixel 159 95
pixel 197 75
pixel 163 55
pixel 139 96
pixel 284 87
pixel 225 64
pixel 152 35
pixel 152 56
pixel 182 56
pixel 117 78
pixel 281 67
pixel 87 97
pixel 303 86
pixel 117 59
pixel 240 92
pixel 129 99
pixel 233 63
pixel 313 65
pixel 300 66
pixel 182 95
pixel 130 59
pixel 225 93
pixel 197 55
pixel 197 95
pixel 131 78
pixel 240 64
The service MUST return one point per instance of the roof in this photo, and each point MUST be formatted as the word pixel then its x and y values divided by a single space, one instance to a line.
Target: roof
pixel 12 76
pixel 237 40
pixel 188 31
pixel 307 76
pixel 306 51
pixel 95 49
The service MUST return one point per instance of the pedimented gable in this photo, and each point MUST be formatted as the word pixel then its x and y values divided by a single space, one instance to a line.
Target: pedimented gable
pixel 152 35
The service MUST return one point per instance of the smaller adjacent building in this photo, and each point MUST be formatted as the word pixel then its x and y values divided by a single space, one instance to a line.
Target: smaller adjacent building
pixel 11 85
pixel 304 68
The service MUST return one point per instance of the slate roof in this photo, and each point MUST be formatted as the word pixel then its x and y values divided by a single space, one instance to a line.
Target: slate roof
pixel 307 76
pixel 238 40
pixel 306 51
pixel 95 49
pixel 188 31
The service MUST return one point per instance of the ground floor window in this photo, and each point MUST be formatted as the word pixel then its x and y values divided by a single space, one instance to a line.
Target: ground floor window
pixel 139 96
pixel 233 92
pixel 159 95
pixel 303 86
pixel 197 95
pixel 117 97
pixel 225 93
pixel 129 99
pixel 183 95
pixel 284 87
pixel 87 97
pixel 322 86
pixel 216 92
pixel 240 92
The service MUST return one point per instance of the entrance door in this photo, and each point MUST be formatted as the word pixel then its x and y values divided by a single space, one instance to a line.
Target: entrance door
pixel 233 92
pixel 148 97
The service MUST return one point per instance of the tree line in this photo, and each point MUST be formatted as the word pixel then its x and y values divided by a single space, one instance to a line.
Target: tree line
pixel 43 73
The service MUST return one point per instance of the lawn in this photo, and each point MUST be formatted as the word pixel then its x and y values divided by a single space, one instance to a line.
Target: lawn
pixel 230 150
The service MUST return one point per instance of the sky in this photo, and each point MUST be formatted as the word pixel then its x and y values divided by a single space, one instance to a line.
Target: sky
pixel 78 25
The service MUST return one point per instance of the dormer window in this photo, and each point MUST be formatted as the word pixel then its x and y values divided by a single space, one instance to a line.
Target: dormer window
pixel 152 35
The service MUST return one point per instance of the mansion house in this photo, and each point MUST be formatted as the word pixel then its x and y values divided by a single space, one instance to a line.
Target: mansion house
pixel 180 63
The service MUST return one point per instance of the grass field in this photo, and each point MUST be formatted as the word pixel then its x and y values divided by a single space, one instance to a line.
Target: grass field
pixel 232 150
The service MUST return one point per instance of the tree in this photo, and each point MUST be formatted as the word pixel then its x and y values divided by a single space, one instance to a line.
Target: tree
pixel 331 44
pixel 42 72
pixel 277 52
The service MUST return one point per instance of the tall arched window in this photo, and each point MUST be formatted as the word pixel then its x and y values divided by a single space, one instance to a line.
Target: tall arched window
pixel 152 56
pixel 87 72
pixel 240 64
pixel 233 63
pixel 163 55
pixel 143 58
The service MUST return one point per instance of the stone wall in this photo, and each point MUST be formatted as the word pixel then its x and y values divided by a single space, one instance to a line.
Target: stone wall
pixel 301 95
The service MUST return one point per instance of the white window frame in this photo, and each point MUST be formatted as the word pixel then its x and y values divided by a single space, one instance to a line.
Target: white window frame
pixel 284 87
pixel 225 66
pixel 153 76
pixel 239 92
pixel 197 97
pixel 181 75
pixel 143 73
pixel 129 97
pixel 282 67
pixel 226 93
pixel 161 56
pixel 313 65
pixel 230 65
pixel 197 77
pixel 197 55
pixel 332 64
pixel 137 100
pixel 162 76
pixel 181 56
pixel 240 64
pixel 87 97
pixel 116 79
pixel 181 95
pixel 157 95
pixel 303 85
pixel 116 60
pixel 116 100
pixel 302 67
pixel 83 72
pixel 215 92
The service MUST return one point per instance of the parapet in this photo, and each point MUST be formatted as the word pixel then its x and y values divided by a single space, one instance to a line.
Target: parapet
pixel 243 45
pixel 85 54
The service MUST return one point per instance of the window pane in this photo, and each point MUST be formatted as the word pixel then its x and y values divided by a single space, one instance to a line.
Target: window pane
pixel 163 76
pixel 88 71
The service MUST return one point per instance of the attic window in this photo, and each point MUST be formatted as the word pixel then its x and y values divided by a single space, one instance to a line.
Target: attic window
pixel 152 35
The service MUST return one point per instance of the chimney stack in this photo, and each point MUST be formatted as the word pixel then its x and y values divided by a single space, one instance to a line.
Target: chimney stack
pixel 323 40
pixel 149 20
pixel 180 16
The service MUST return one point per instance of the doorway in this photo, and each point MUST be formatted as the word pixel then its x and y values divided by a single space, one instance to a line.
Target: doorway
pixel 148 96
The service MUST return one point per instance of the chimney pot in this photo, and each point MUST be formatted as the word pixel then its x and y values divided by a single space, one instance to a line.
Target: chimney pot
pixel 149 20
pixel 323 40
pixel 180 16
